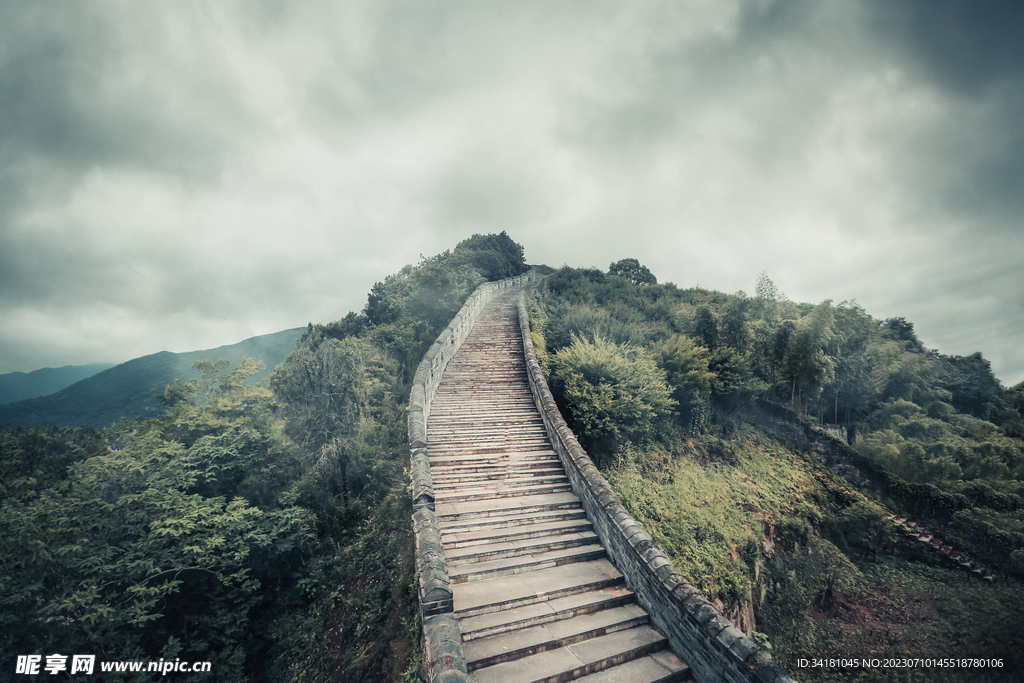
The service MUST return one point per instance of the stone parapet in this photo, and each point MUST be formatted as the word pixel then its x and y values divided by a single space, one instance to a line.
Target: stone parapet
pixel 713 647
pixel 442 640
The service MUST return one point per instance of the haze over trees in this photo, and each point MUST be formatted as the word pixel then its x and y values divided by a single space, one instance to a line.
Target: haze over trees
pixel 263 528
pixel 127 390
pixel 20 386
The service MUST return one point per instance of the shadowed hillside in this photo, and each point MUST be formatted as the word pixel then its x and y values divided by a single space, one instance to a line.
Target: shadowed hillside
pixel 129 390
pixel 21 386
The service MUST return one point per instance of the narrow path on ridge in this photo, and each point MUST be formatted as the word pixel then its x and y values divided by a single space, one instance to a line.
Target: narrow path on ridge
pixel 534 593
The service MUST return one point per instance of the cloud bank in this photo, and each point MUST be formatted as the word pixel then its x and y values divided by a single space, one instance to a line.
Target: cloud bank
pixel 185 175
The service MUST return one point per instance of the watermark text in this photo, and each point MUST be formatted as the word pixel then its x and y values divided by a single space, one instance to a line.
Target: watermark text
pixel 33 665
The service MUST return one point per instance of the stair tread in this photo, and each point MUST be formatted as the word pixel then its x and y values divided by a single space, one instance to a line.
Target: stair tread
pixel 523 546
pixel 461 538
pixel 511 520
pixel 524 563
pixel 658 667
pixel 589 653
pixel 506 592
pixel 509 505
pixel 526 641
pixel 503 629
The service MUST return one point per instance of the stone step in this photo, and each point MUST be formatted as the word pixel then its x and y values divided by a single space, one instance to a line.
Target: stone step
pixel 442 460
pixel 507 433
pixel 496 482
pixel 522 464
pixel 511 521
pixel 461 511
pixel 504 647
pixel 505 548
pixel 659 667
pixel 523 468
pixel 493 414
pixel 481 571
pixel 456 393
pixel 498 492
pixel 463 398
pixel 470 538
pixel 577 660
pixel 495 429
pixel 506 472
pixel 493 624
pixel 516 591
pixel 492 410
pixel 489 445
pixel 458 396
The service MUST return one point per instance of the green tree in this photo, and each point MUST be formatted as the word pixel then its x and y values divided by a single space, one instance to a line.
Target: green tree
pixel 705 327
pixel 633 272
pixel 808 365
pixel 734 330
pixel 152 549
pixel 493 256
pixel 686 366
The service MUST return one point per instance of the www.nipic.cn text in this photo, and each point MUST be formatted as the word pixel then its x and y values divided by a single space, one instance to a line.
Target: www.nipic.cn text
pixel 32 665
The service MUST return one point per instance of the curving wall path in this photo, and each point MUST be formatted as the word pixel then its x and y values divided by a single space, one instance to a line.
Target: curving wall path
pixel 518 503
pixel 442 639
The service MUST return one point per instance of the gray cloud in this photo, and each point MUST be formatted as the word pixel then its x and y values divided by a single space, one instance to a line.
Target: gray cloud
pixel 186 175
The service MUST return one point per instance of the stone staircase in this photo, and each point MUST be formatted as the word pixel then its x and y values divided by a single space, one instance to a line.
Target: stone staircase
pixel 534 593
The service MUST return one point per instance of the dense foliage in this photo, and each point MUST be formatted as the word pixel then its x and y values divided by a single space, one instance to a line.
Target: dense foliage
pixel 920 415
pixel 262 528
pixel 710 453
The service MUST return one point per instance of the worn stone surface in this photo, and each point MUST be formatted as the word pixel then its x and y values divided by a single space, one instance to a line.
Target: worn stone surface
pixel 443 656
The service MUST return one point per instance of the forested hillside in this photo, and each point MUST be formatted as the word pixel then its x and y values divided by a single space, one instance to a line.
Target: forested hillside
pixel 19 386
pixel 265 529
pixel 704 410
pixel 129 390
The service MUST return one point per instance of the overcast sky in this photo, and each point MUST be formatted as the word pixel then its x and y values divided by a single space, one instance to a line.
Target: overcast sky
pixel 181 175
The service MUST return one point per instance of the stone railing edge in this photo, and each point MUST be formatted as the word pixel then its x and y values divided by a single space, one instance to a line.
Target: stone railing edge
pixel 443 658
pixel 713 647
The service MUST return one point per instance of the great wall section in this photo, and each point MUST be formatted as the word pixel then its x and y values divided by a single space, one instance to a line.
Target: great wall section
pixel 529 567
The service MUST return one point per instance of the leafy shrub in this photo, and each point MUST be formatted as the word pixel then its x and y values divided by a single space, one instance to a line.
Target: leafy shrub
pixel 612 392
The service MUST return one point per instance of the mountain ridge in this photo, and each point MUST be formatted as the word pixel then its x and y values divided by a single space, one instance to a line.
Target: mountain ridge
pixel 21 386
pixel 129 389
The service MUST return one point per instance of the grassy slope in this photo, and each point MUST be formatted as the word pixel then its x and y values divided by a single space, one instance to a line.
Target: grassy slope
pixel 759 525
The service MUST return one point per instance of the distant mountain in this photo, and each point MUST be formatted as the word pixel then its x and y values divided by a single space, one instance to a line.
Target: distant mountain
pixel 129 390
pixel 19 386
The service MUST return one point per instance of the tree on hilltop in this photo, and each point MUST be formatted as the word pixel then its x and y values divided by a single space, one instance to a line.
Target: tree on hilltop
pixel 633 272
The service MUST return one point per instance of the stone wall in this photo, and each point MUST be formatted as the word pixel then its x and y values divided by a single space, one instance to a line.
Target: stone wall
pixel 442 639
pixel 713 647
